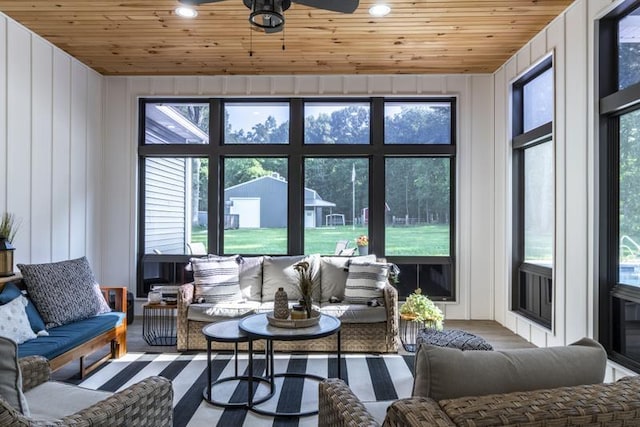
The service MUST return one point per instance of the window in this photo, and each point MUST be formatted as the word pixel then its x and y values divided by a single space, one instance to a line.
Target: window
pixel 255 198
pixel 533 194
pixel 619 175
pixel 336 123
pixel 280 176
pixel 175 200
pixel 418 188
pixel 336 199
pixel 256 123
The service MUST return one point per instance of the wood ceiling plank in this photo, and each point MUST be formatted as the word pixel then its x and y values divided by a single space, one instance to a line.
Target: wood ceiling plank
pixel 145 37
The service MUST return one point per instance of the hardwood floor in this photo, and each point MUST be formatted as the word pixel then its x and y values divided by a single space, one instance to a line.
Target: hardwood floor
pixel 497 335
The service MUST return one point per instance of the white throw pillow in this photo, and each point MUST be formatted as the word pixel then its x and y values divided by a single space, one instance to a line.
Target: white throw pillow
pixel 216 280
pixel 14 323
pixel 366 282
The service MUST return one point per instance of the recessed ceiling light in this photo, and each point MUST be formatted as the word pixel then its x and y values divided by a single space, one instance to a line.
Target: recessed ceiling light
pixel 379 10
pixel 186 12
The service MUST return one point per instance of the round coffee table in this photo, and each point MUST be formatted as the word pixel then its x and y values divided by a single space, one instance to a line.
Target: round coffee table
pixel 257 327
pixel 228 331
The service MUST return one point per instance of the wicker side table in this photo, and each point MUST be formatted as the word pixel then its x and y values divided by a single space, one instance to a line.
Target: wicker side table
pixel 159 324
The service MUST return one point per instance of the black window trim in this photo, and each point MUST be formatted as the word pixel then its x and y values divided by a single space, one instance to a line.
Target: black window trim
pixel 613 103
pixel 376 151
pixel 520 142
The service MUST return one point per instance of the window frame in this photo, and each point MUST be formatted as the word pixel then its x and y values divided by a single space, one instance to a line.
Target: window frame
pixel 527 275
pixel 376 151
pixel 613 103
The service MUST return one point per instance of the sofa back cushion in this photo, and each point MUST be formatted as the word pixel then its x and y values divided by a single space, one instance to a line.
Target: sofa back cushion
pixel 449 373
pixel 251 277
pixel 366 282
pixel 278 272
pixel 216 280
pixel 333 274
pixel 64 291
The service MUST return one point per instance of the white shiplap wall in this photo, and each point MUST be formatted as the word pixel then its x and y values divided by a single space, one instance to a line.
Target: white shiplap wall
pixel 475 151
pixel 50 148
pixel 570 38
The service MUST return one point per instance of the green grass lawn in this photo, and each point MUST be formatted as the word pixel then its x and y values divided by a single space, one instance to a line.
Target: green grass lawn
pixel 423 240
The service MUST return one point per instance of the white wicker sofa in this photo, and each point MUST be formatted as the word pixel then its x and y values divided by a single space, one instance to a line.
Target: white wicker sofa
pixel 364 328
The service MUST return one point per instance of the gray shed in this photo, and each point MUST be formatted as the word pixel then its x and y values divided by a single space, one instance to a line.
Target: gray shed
pixel 262 203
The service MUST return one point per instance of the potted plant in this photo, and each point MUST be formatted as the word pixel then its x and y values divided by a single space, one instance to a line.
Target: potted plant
pixel 416 313
pixel 8 230
pixel 362 242
pixel 305 284
pixel 419 308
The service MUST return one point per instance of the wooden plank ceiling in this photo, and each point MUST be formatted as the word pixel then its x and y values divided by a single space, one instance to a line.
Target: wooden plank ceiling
pixel 145 37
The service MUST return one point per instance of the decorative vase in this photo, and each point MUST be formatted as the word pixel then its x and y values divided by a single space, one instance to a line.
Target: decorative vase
pixel 281 304
pixel 6 257
pixel 363 250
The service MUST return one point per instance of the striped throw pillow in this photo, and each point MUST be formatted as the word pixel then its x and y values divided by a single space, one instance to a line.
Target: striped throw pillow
pixel 216 280
pixel 365 282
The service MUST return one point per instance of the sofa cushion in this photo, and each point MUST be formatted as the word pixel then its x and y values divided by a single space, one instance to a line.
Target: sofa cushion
pixel 64 291
pixel 355 313
pixel 366 282
pixel 448 373
pixel 10 292
pixel 278 272
pixel 208 312
pixel 251 277
pixel 45 402
pixel 333 274
pixel 216 280
pixel 63 338
pixel 14 323
pixel 11 377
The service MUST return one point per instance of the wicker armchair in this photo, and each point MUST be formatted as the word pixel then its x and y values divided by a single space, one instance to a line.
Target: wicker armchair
pixel 605 404
pixel 146 403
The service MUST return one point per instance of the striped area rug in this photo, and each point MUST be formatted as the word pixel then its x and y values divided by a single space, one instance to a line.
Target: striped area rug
pixel 371 377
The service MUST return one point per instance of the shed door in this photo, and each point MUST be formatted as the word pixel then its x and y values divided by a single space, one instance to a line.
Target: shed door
pixel 310 218
pixel 248 211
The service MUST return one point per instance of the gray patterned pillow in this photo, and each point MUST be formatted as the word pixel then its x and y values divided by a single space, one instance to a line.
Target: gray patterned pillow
pixel 64 291
pixel 216 280
pixel 366 282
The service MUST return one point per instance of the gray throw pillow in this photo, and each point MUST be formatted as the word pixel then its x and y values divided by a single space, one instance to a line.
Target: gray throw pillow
pixel 64 291
pixel 333 274
pixel 251 277
pixel 278 272
pixel 449 373
pixel 11 377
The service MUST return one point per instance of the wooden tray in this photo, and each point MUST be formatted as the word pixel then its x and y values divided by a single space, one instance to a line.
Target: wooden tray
pixel 294 323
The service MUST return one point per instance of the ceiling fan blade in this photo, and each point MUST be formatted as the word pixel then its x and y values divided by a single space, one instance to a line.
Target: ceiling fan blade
pixel 197 2
pixel 343 6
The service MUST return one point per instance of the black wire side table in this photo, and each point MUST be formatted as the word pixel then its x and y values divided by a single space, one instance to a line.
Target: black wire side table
pixel 228 331
pixel 159 324
pixel 256 327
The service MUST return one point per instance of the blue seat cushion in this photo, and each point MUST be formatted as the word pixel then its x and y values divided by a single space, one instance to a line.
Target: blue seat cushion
pixel 66 337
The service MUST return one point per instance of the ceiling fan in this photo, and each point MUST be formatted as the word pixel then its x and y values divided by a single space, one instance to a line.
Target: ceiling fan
pixel 268 15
